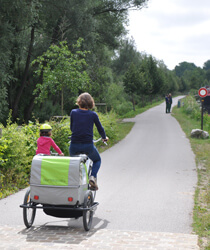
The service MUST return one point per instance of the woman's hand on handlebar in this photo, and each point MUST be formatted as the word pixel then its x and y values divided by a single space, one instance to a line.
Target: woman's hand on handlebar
pixel 61 154
pixel 105 140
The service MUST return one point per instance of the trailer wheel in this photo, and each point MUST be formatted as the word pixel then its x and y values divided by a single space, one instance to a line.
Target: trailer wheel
pixel 28 213
pixel 88 214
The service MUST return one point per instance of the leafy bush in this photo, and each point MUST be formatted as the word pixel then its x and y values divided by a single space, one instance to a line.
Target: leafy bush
pixel 193 109
pixel 14 163
pixel 116 99
pixel 18 146
pixel 31 132
pixel 123 108
pixel 60 133
pixel 109 122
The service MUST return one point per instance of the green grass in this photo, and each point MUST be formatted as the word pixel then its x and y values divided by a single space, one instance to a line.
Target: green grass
pixel 201 149
pixel 138 110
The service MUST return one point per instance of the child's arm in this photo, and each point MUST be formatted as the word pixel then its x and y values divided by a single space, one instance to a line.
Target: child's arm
pixel 57 149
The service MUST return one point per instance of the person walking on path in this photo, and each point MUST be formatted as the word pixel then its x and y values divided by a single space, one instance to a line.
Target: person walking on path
pixel 167 104
pixel 170 102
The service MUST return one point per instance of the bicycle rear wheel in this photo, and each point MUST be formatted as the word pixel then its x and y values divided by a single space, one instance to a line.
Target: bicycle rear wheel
pixel 88 214
pixel 28 212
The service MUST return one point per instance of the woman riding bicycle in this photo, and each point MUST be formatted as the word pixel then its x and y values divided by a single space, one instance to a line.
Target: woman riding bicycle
pixel 82 121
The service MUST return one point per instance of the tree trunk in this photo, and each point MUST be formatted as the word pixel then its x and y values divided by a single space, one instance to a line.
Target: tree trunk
pixel 143 101
pixel 62 101
pixel 24 78
pixel 29 109
pixel 133 101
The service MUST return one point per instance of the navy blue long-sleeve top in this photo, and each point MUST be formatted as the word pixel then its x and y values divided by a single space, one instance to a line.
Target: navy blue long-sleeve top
pixel 82 122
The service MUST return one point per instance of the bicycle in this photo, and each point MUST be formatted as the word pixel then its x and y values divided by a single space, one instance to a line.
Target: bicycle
pixel 62 191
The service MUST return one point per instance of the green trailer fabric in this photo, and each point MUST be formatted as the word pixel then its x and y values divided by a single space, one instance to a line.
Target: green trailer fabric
pixel 55 172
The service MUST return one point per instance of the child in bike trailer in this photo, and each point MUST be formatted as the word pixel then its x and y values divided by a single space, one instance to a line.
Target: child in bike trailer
pixel 45 141
pixel 82 121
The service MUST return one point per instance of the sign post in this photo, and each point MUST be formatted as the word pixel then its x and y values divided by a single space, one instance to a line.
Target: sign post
pixel 202 113
pixel 202 93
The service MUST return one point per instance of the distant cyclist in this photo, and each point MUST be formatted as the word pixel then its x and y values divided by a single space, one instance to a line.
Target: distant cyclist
pixel 82 122
pixel 45 141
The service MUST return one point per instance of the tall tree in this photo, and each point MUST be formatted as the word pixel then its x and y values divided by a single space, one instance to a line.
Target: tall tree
pixel 126 54
pixel 30 27
pixel 184 66
pixel 195 78
pixel 153 75
pixel 133 82
pixel 61 69
pixel 206 65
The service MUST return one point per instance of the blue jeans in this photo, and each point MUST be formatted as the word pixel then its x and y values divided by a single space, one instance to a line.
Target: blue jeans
pixel 91 151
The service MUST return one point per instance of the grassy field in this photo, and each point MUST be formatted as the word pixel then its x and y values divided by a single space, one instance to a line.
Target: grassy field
pixel 201 149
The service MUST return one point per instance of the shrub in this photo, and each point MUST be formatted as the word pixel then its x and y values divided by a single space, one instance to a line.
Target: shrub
pixel 109 122
pixel 60 133
pixel 18 146
pixel 123 108
pixel 192 108
pixel 31 132
pixel 14 163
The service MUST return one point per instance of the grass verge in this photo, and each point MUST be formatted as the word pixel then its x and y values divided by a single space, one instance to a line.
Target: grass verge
pixel 138 110
pixel 125 127
pixel 201 149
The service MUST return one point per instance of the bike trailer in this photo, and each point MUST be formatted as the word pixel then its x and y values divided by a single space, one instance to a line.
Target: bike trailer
pixel 57 180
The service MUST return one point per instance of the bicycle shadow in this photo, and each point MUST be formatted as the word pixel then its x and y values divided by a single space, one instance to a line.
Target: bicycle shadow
pixel 68 231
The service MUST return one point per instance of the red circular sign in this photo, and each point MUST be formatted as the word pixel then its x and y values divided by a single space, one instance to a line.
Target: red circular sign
pixel 202 92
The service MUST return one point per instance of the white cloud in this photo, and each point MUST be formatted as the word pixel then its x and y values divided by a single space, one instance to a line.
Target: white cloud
pixel 173 31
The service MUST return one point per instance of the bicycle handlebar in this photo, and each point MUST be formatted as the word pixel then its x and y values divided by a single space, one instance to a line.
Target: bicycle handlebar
pixel 94 141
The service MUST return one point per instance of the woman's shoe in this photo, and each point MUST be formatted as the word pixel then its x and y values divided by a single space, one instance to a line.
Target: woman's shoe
pixel 93 183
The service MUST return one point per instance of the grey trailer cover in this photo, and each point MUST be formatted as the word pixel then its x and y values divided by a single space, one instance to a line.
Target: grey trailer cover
pixel 58 180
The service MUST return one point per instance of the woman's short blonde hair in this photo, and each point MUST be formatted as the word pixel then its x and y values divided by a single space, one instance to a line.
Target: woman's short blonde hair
pixel 85 100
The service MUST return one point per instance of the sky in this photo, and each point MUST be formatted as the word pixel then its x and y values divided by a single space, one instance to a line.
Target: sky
pixel 173 31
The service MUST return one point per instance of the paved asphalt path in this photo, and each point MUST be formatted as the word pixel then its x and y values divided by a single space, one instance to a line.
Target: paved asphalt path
pixel 146 181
